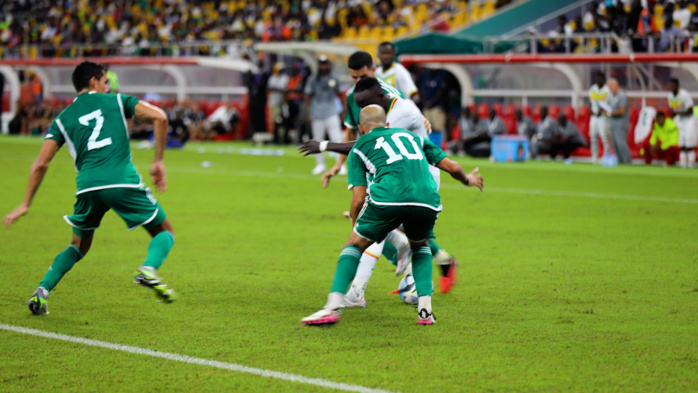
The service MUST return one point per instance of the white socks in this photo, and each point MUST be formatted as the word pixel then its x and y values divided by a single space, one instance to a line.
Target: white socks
pixel 692 158
pixel 683 159
pixel 334 301
pixel 364 271
pixel 399 240
pixel 424 302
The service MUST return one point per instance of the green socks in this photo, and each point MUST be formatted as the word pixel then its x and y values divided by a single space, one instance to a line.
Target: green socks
pixel 421 270
pixel 346 269
pixel 60 266
pixel 158 249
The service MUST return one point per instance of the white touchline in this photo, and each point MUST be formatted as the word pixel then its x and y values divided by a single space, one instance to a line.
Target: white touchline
pixel 276 175
pixel 192 360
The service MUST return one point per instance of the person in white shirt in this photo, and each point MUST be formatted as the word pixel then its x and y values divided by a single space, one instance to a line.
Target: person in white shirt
pixel 682 15
pixel 394 73
pixel 681 109
pixel 277 86
pixel 598 123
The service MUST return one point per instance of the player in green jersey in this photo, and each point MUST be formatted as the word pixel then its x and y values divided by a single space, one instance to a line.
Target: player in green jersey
pixel 391 155
pixel 94 130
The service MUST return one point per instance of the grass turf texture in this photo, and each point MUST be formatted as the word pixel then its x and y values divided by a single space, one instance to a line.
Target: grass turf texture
pixel 555 293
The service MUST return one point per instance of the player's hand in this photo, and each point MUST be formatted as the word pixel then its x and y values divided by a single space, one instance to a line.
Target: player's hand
pixel 475 179
pixel 427 125
pixel 310 147
pixel 11 218
pixel 157 171
pixel 328 175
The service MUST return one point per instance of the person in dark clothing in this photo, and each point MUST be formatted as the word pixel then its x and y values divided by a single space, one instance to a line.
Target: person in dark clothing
pixel 257 86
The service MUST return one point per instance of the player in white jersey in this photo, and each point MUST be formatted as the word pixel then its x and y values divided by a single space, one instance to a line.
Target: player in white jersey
pixel 598 123
pixel 681 109
pixel 395 73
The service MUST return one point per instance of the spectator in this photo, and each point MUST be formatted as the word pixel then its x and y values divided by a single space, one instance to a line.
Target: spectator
pixel 276 85
pixel 257 86
pixel 290 106
pixel 432 86
pixel 321 111
pixel 548 135
pixel 222 121
pixel 465 125
pixel 496 124
pixel 664 142
pixel 681 15
pixel 598 123
pixel 667 41
pixel 570 139
pixel 619 122
pixel 179 130
pixel 476 138
pixel 681 110
pixel 524 125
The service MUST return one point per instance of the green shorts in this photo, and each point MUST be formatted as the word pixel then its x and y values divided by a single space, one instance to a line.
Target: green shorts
pixel 136 206
pixel 375 222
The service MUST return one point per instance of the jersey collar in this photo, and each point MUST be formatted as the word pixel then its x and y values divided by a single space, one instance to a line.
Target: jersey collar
pixel 392 104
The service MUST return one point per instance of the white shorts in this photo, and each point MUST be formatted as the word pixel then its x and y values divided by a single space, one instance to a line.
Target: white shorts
pixel 688 130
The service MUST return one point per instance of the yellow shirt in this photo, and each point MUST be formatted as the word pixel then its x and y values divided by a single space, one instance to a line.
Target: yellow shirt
pixel 667 135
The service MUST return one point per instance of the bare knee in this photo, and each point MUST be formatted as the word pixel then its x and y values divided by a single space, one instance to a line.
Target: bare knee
pixel 165 226
pixel 83 244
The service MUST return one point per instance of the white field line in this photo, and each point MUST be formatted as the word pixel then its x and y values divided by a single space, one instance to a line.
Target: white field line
pixel 192 360
pixel 282 175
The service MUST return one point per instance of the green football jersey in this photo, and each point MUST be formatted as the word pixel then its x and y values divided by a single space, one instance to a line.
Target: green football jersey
pixel 95 131
pixel 398 162
pixel 351 119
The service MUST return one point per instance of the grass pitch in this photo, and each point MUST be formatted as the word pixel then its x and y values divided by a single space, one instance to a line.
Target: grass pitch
pixel 572 278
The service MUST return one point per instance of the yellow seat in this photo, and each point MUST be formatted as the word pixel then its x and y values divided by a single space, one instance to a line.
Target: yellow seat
pixel 374 33
pixel 388 34
pixel 692 7
pixel 475 13
pixel 401 31
pixel 659 22
pixel 350 33
pixel 362 33
pixel 460 19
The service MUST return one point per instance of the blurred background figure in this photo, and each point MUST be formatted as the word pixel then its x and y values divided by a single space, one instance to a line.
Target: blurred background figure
pixel 681 110
pixel 619 121
pixel 547 136
pixel 276 86
pixel 524 124
pixel 321 109
pixel 432 90
pixel 570 139
pixel 664 142
pixel 598 123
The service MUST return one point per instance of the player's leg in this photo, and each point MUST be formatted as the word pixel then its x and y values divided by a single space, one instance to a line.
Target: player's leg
pixel 355 296
pixel 138 207
pixel 318 128
pixel 374 223
pixel 419 225
pixel 87 214
pixel 594 138
pixel 605 135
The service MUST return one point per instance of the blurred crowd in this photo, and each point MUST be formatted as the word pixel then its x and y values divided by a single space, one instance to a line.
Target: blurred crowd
pixel 640 25
pixel 136 27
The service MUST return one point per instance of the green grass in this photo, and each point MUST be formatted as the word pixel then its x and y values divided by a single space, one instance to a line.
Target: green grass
pixel 558 290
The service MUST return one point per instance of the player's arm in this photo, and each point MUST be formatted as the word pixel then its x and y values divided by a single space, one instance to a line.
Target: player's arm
pixel 149 113
pixel 357 202
pixel 36 175
pixel 472 179
pixel 315 147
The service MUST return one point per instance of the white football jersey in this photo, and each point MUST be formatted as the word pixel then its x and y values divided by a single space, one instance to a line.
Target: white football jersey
pixel 597 95
pixel 405 114
pixel 680 102
pixel 399 77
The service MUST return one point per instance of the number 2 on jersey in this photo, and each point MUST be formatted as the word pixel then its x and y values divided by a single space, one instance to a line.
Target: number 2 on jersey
pixel 93 143
pixel 392 156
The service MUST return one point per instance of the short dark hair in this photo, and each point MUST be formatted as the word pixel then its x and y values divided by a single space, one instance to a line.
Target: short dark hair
pixel 359 60
pixel 84 72
pixel 367 84
pixel 600 74
pixel 660 113
pixel 675 80
pixel 386 43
